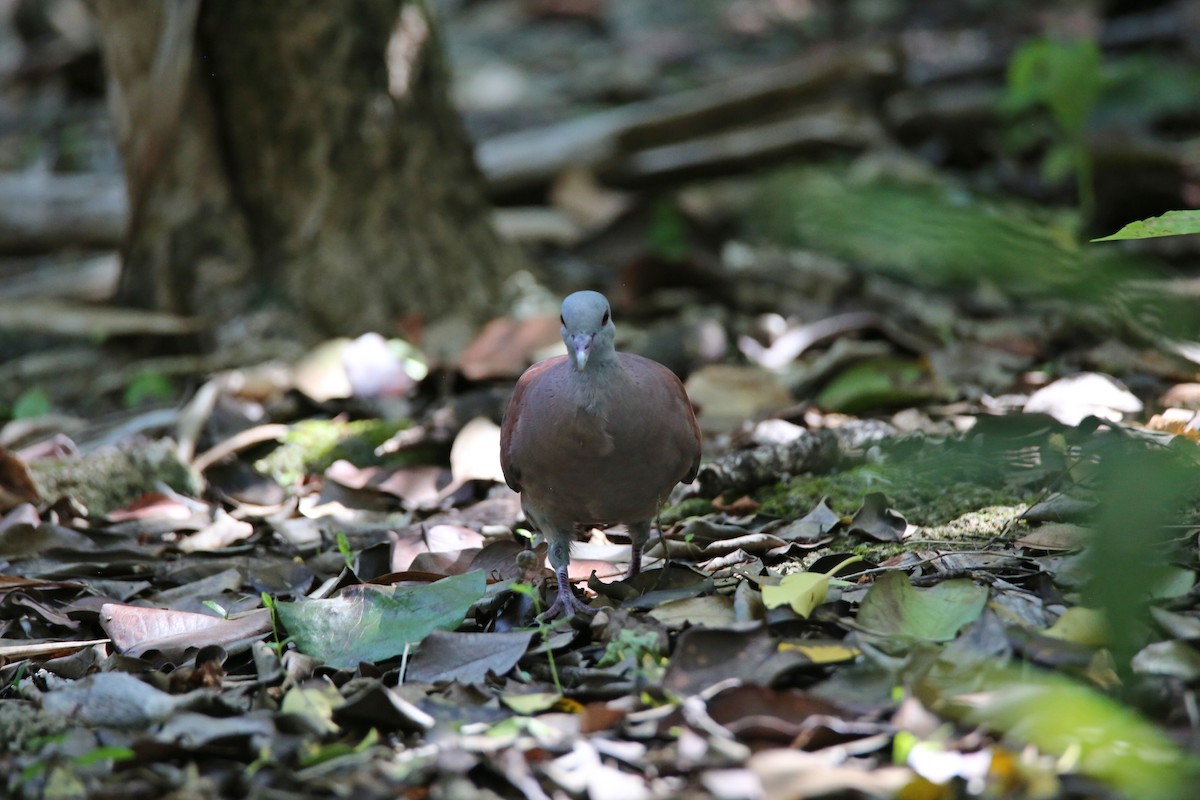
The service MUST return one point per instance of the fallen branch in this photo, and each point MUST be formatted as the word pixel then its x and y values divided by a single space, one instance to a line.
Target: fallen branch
pixel 610 139
pixel 814 451
pixel 48 212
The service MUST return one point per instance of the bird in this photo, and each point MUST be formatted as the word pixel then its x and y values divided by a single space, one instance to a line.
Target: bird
pixel 595 438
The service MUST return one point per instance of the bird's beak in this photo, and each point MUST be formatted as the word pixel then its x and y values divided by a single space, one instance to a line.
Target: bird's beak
pixel 581 348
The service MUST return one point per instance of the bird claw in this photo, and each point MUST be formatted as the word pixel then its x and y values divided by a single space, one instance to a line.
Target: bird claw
pixel 566 604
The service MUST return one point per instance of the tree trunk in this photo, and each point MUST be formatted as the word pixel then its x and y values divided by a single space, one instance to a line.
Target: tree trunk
pixel 297 156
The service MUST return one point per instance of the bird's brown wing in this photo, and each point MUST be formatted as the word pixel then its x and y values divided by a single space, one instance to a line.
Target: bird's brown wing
pixel 512 419
pixel 697 439
pixel 674 403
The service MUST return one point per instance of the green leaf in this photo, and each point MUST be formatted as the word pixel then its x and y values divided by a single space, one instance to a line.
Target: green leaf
pixel 1147 491
pixel 31 403
pixel 533 703
pixel 893 607
pixel 316 702
pixel 803 591
pixel 879 382
pixel 1100 737
pixel 1062 76
pixel 1172 223
pixel 1085 626
pixel 102 754
pixel 668 232
pixel 372 623
pixel 148 386
pixel 324 753
pixel 1060 162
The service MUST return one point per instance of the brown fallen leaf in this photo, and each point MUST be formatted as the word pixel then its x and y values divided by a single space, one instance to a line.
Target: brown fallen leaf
pixel 417 539
pixel 743 505
pixel 761 716
pixel 151 505
pixel 505 347
pixel 16 484
pixel 136 630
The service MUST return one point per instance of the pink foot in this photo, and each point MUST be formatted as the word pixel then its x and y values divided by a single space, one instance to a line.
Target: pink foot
pixel 565 603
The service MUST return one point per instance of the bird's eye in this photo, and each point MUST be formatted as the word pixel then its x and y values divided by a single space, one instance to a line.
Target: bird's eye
pixel 605 320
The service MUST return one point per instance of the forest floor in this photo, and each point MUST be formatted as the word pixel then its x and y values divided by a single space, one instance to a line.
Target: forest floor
pixel 944 539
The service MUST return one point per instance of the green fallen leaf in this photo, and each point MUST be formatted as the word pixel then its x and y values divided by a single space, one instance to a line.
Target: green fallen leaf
pixel 533 703
pixel 101 754
pixel 803 591
pixel 1092 734
pixel 314 701
pixel 321 753
pixel 372 623
pixel 893 607
pixel 1172 223
pixel 1081 625
pixel 878 383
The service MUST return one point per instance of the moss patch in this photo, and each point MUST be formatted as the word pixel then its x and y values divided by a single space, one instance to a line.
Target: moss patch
pixel 984 523
pixel 312 445
pixel 22 724
pixel 113 477
pixel 692 507
pixel 925 498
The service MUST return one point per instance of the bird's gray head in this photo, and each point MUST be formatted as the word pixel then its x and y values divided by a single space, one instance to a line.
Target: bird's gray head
pixel 587 329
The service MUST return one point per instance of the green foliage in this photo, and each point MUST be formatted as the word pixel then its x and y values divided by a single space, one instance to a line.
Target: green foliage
pixel 631 644
pixel 1061 717
pixel 148 386
pixel 888 382
pixel 1064 78
pixel 668 232
pixel 938 234
pixel 1143 87
pixel 639 648
pixel 322 752
pixel 216 608
pixel 33 402
pixel 343 546
pixel 1146 490
pixel 1172 223
pixel 277 643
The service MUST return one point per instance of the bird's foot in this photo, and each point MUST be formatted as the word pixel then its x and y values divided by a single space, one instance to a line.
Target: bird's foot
pixel 566 604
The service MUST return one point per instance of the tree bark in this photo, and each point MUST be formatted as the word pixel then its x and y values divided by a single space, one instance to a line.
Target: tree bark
pixel 296 156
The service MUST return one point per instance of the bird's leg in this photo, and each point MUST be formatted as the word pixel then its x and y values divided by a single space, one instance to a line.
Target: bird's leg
pixel 639 532
pixel 565 602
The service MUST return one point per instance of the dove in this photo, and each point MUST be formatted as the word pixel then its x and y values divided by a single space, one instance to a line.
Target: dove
pixel 595 438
